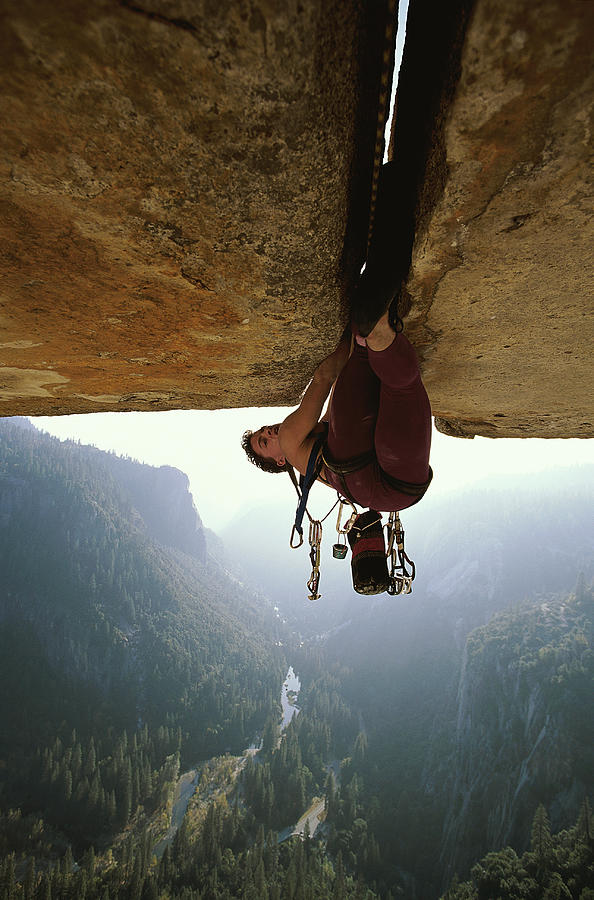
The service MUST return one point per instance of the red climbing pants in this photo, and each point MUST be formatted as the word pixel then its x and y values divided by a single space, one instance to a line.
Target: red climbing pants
pixel 380 403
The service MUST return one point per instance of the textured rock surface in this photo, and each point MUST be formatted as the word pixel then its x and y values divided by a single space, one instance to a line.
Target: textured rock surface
pixel 183 203
pixel 177 182
pixel 502 263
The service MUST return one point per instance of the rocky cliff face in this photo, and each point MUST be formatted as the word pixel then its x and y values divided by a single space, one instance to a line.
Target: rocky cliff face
pixel 498 185
pixel 185 190
pixel 164 505
pixel 521 738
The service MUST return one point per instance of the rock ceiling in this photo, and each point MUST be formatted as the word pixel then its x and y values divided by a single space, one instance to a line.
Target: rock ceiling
pixel 184 200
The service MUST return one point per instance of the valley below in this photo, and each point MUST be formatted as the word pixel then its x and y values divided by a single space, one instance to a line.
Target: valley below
pixel 171 731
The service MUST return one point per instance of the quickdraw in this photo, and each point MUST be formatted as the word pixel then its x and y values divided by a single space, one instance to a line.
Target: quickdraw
pixel 315 542
pixel 401 577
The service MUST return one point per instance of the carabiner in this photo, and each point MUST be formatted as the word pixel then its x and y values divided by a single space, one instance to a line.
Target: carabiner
pixel 312 585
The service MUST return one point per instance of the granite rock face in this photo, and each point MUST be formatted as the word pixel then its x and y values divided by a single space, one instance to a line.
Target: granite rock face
pixel 177 183
pixel 184 198
pixel 502 260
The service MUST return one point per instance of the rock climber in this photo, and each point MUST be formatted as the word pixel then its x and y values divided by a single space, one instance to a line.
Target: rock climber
pixel 377 427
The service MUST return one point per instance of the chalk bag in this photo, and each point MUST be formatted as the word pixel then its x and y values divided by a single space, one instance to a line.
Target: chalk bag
pixel 369 566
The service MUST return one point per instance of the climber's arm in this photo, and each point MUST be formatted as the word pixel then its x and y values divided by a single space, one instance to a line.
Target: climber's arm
pixel 298 426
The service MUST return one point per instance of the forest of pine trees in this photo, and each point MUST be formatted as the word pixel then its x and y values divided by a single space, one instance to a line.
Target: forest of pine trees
pixel 234 853
pixel 555 867
pixel 90 790
pixel 124 662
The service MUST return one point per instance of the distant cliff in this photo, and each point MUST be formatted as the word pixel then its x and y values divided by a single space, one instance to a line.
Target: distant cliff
pixel 163 501
pixel 524 735
pixel 157 500
pixel 474 692
pixel 110 605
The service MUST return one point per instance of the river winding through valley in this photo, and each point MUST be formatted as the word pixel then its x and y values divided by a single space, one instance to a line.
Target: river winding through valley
pixel 188 782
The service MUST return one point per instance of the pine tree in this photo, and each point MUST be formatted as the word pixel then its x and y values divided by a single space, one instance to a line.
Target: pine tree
pixel 67 862
pixel 136 881
pixel 82 884
pixel 76 764
pixel 165 867
pixel 339 892
pixel 91 760
pixel 30 880
pixel 125 803
pixel 360 751
pixel 584 824
pixel 45 889
pixel 150 890
pixel 7 873
pixel 89 863
pixel 330 794
pixel 541 844
pixel 556 889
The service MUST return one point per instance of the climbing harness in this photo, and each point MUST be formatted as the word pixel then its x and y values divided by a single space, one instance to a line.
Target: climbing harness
pixel 369 566
pixel 346 467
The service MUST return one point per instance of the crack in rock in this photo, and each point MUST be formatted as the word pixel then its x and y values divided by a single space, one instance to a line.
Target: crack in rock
pixel 158 17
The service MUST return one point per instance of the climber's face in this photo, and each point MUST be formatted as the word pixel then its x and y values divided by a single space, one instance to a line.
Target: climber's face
pixel 265 442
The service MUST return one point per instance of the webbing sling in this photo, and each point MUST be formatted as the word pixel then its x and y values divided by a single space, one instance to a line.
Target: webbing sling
pixel 306 481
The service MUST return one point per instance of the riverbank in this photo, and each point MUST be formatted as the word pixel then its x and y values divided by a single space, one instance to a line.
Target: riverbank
pixel 312 817
pixel 216 778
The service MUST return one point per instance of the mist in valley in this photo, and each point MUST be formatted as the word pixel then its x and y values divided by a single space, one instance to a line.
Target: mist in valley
pixel 143 750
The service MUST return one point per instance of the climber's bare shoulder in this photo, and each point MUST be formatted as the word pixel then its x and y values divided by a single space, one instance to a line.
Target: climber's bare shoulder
pixel 295 446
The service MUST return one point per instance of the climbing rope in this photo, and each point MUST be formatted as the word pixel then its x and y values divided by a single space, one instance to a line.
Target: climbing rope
pixel 385 91
pixel 401 577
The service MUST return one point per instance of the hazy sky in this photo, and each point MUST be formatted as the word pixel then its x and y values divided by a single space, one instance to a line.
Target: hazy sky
pixel 205 445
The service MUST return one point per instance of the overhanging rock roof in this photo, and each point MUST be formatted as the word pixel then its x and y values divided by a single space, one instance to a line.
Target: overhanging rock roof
pixel 184 197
